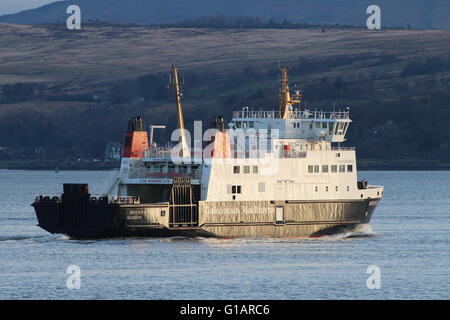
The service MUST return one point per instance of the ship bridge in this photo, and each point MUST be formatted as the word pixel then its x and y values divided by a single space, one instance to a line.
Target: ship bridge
pixel 298 124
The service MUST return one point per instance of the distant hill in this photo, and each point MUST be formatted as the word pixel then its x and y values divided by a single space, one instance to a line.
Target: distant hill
pixel 66 95
pixel 423 14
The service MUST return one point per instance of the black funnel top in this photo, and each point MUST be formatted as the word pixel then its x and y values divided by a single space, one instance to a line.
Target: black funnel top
pixel 218 123
pixel 136 124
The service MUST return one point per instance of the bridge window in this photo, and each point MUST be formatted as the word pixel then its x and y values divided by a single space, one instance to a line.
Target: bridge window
pixel 325 168
pixel 316 169
pixel 342 168
pixel 255 169
pixel 310 169
pixel 324 125
pixel 340 128
pixel 334 168
pixel 349 168
pixel 330 128
pixel 246 169
pixel 318 125
pixel 236 169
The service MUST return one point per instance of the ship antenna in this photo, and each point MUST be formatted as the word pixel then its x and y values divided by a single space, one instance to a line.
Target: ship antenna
pixel 175 83
pixel 284 93
pixel 286 101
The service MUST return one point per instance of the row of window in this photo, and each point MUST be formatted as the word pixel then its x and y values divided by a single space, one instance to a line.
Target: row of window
pixel 168 168
pixel 238 189
pixel 338 129
pixel 311 169
pixel 336 188
pixel 262 188
pixel 244 124
pixel 245 169
pixel 332 168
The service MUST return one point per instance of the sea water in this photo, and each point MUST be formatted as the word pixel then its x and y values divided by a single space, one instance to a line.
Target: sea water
pixel 407 243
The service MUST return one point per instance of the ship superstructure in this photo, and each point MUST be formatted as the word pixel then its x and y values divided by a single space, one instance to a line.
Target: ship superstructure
pixel 279 173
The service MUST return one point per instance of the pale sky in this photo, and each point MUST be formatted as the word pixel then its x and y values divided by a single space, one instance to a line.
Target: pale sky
pixel 13 6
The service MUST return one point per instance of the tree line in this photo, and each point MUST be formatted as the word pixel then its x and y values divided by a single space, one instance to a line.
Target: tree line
pixel 400 121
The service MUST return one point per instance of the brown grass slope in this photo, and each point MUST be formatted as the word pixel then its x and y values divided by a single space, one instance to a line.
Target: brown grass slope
pixel 96 56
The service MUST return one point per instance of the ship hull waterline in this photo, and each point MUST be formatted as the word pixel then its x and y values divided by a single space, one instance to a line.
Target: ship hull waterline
pixel 301 219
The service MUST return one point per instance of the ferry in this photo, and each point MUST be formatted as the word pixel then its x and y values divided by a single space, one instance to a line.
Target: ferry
pixel 264 173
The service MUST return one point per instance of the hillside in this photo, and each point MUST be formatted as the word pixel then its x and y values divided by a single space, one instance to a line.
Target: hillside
pixel 97 56
pixel 399 13
pixel 66 95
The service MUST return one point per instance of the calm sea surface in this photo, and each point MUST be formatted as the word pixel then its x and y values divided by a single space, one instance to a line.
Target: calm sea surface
pixel 408 239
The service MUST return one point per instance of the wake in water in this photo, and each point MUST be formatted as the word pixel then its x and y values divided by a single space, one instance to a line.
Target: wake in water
pixel 28 238
pixel 360 231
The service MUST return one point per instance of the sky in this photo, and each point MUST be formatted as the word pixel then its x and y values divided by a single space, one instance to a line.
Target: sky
pixel 13 6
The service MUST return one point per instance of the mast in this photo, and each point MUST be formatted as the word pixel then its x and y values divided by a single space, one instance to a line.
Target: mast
pixel 175 83
pixel 286 101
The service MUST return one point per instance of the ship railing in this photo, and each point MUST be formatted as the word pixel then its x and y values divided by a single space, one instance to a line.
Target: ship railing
pixel 297 114
pixel 46 198
pixel 124 199
pixel 282 153
pixel 95 199
pixel 343 148
pixel 292 154
pixel 169 174
pixel 265 154
pixel 157 153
